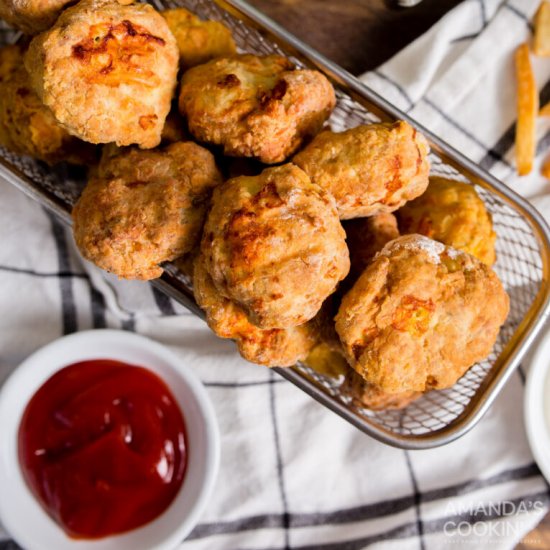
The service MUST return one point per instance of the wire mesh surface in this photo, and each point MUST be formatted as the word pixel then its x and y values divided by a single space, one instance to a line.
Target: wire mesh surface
pixel 519 263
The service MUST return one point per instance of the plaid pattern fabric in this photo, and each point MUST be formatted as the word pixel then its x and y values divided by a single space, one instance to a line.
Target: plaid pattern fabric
pixel 294 475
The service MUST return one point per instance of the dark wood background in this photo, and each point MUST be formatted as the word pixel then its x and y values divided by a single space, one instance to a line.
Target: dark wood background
pixel 359 35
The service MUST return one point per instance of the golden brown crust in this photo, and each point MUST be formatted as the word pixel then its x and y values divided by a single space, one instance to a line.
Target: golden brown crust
pixel 142 208
pixel 365 238
pixel 452 212
pixel 274 245
pixel 27 127
pixel 107 71
pixel 368 169
pixel 198 41
pixel 255 106
pixel 420 316
pixel 31 16
pixel 365 395
pixel 271 347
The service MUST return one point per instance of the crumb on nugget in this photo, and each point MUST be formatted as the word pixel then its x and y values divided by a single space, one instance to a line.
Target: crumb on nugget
pixel 27 127
pixel 270 347
pixel 420 316
pixel 368 169
pixel 255 106
pixel 274 245
pixel 198 41
pixel 142 208
pixel 453 213
pixel 107 71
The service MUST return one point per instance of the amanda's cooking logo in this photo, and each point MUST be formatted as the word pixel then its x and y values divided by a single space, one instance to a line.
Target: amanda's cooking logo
pixel 492 521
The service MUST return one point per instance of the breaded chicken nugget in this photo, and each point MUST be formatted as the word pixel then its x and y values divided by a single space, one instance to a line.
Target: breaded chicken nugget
pixel 365 395
pixel 271 347
pixel 452 212
pixel 174 128
pixel 198 41
pixel 369 169
pixel 107 71
pixel 142 208
pixel 274 245
pixel 366 237
pixel 11 58
pixel 27 127
pixel 420 316
pixel 255 106
pixel 31 16
pixel 327 361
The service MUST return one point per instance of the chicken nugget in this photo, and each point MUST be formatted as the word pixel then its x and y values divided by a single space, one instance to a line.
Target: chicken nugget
pixel 274 245
pixel 10 59
pixel 365 238
pixel 271 347
pixel 107 71
pixel 365 395
pixel 327 361
pixel 31 16
pixel 420 316
pixel 27 127
pixel 142 208
pixel 369 169
pixel 198 41
pixel 451 212
pixel 255 106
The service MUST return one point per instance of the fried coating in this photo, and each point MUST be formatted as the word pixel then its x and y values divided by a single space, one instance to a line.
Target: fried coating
pixel 369 169
pixel 271 347
pixel 365 395
pixel 198 41
pixel 141 208
pixel 420 316
pixel 452 212
pixel 107 71
pixel 365 238
pixel 255 106
pixel 31 16
pixel 274 245
pixel 27 127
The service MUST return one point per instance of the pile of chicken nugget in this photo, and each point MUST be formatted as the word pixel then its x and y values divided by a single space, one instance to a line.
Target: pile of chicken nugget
pixel 302 243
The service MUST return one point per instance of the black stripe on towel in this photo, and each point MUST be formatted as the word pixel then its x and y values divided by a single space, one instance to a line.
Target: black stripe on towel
pixel 163 302
pixel 66 284
pixel 279 460
pixel 366 511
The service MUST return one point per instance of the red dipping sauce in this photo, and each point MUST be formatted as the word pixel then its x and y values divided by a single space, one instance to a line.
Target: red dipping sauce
pixel 102 446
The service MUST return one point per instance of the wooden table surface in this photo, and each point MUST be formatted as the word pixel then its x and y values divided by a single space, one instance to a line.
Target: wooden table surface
pixel 359 35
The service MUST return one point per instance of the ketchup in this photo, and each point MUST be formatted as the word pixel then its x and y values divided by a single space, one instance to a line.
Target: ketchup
pixel 102 446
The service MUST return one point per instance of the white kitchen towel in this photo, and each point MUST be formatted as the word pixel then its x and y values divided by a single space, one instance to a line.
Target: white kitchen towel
pixel 294 475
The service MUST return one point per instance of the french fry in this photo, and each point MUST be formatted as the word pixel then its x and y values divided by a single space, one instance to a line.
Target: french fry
pixel 545 170
pixel 528 107
pixel 545 111
pixel 541 42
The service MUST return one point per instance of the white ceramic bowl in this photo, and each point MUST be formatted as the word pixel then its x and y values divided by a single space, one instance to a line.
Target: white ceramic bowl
pixel 537 405
pixel 20 512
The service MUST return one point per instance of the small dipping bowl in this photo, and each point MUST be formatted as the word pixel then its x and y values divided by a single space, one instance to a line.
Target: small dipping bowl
pixel 23 516
pixel 537 405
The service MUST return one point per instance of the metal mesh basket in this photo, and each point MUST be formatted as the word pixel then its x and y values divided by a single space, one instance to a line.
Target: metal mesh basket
pixel 522 245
